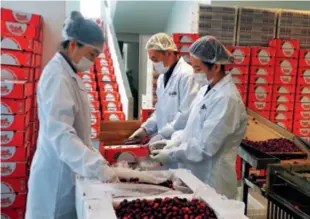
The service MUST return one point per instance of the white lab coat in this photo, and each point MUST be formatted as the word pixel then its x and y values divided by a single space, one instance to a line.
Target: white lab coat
pixel 173 101
pixel 216 125
pixel 64 145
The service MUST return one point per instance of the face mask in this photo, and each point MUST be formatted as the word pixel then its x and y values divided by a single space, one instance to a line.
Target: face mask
pixel 160 68
pixel 202 79
pixel 83 65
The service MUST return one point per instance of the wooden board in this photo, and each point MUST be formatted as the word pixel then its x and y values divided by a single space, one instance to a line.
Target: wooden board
pixel 120 125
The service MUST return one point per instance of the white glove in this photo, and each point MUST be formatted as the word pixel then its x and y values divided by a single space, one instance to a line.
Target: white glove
pixel 158 145
pixel 143 176
pixel 138 134
pixel 161 156
pixel 156 138
pixel 107 174
pixel 171 144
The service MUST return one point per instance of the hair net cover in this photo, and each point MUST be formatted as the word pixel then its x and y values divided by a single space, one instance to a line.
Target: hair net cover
pixel 208 49
pixel 85 31
pixel 161 42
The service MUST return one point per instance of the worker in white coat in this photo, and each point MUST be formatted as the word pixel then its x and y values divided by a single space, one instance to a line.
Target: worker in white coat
pixel 176 90
pixel 64 146
pixel 216 124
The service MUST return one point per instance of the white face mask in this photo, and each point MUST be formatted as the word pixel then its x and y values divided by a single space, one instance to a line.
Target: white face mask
pixel 202 79
pixel 83 65
pixel 160 68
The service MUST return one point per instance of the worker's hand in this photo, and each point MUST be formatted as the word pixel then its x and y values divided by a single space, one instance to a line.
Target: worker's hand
pixel 156 138
pixel 139 134
pixel 161 156
pixel 158 145
pixel 171 144
pixel 107 174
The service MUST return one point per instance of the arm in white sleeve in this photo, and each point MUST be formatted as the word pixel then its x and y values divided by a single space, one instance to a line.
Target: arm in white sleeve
pixel 222 121
pixel 188 90
pixel 59 111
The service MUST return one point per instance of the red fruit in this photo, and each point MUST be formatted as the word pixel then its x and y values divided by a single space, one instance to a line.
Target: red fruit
pixel 174 208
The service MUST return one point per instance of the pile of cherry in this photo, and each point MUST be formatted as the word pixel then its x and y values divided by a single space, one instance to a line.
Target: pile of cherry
pixel 168 183
pixel 166 208
pixel 273 145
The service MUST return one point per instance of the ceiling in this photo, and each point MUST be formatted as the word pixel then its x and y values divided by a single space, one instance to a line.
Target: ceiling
pixel 141 17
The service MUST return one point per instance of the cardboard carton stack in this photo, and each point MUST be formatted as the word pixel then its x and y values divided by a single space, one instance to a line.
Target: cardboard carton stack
pixel 21 55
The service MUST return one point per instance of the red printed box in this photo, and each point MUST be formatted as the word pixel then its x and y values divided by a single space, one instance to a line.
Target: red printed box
pixel 185 37
pixel 16 89
pixel 241 54
pixel 261 71
pixel 183 47
pixel 20 43
pixel 303 89
pixel 303 132
pixel 299 106
pixel 14 185
pixel 20 17
pixel 92 96
pixel 283 107
pixel 304 98
pixel 237 69
pixel 304 58
pixel 283 98
pixel 261 106
pixel 286 124
pixel 13 106
pixel 87 76
pixel 103 62
pixel 12 153
pixel 113 116
pixel 90 85
pixel 111 106
pixel 303 76
pixel 283 89
pixel 287 115
pixel 95 118
pixel 261 79
pixel 17 73
pixel 243 88
pixel 285 48
pixel 262 56
pixel 12 213
pixel 286 67
pixel 265 114
pixel 285 79
pixel 16 138
pixel 300 115
pixel 259 97
pixel 37 74
pixel 304 123
pixel 240 79
pixel 19 29
pixel 114 154
pixel 145 114
pixel 106 77
pixel 108 86
pixel 105 69
pixel 110 96
pixel 18 58
pixel 94 106
pixel 12 200
pixel 13 169
pixel 14 122
pixel 186 57
pixel 95 132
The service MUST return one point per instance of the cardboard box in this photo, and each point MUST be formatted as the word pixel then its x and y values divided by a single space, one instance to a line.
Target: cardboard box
pixel 20 43
pixel 259 106
pixel 299 106
pixel 283 98
pixel 95 132
pixel 145 114
pixel 95 118
pixel 183 47
pixel 87 76
pixel 303 132
pixel 304 58
pixel 37 74
pixel 14 122
pixel 94 106
pixel 303 89
pixel 286 67
pixel 285 48
pixel 12 200
pixel 262 56
pixel 282 107
pixel 14 185
pixel 16 89
pixel 286 115
pixel 13 153
pixel 18 58
pixel 286 124
pixel 304 98
pixel 93 96
pixel 241 54
pixel 260 92
pixel 16 138
pixel 12 213
pixel 13 169
pixel 106 77
pixel 100 62
pixel 111 106
pixel 303 123
pixel 303 80
pixel 240 79
pixel 113 116
pixel 237 69
pixel 283 89
pixel 105 69
pixel 301 114
pixel 90 85
pixel 108 86
pixel 261 79
pixel 185 37
pixel 15 106
pixel 285 79
pixel 17 73
pixel 18 29
pixel 109 96
pixel 262 71
pixel 21 17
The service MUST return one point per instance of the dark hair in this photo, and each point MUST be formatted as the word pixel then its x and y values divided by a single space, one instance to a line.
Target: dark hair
pixel 65 44
pixel 210 65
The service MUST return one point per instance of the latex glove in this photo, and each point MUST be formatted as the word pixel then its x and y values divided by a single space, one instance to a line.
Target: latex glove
pixel 107 174
pixel 161 156
pixel 156 138
pixel 158 145
pixel 143 176
pixel 138 134
pixel 171 144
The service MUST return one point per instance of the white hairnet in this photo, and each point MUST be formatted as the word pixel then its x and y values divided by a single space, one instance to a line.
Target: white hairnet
pixel 161 42
pixel 208 49
pixel 85 31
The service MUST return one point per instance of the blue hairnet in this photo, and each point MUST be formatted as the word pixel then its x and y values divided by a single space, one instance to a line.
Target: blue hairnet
pixel 209 50
pixel 85 31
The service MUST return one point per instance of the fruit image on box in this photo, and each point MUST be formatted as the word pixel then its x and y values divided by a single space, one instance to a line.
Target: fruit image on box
pixel 262 56
pixel 301 115
pixel 95 131
pixel 303 76
pixel 113 116
pixel 105 70
pixel 12 153
pixel 241 54
pixel 90 85
pixel 283 98
pixel 100 62
pixel 87 76
pixel 16 89
pixel 285 79
pixel 261 79
pixel 260 106
pixel 185 38
pixel 282 107
pixel 13 169
pixel 20 17
pixel 108 86
pixel 19 43
pixel 16 138
pixel 236 70
pixel 106 77
pixel 12 200
pixel 18 29
pixel 13 106
pixel 94 106
pixel 92 96
pixel 304 58
pixel 18 58
pixel 302 106
pixel 305 132
pixel 16 73
pixel 283 89
pixel 12 213
pixel 111 106
pixel 240 79
pixel 95 118
pixel 303 89
pixel 304 123
pixel 117 153
pixel 183 47
pixel 288 115
pixel 261 71
pixel 286 67
pixel 14 122
pixel 14 185
pixel 285 48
